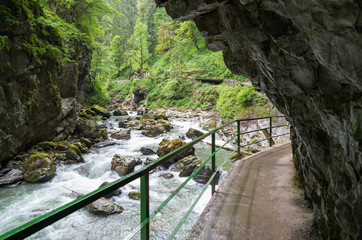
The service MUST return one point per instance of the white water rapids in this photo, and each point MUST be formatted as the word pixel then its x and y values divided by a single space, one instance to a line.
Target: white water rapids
pixel 25 202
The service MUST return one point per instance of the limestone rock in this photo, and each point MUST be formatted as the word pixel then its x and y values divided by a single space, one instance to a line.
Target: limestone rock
pixel 194 133
pixel 187 165
pixel 307 58
pixel 122 134
pixel 147 151
pixel 13 176
pixel 134 195
pixel 90 129
pixel 112 194
pixel 104 206
pixel 101 111
pixel 39 168
pixel 123 165
pixel 167 175
pixel 204 175
pixel 167 146
pixel 120 112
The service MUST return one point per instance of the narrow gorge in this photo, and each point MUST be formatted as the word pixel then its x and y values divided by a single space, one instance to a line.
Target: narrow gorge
pixel 305 56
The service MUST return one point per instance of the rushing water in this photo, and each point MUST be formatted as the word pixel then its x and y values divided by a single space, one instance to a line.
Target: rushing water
pixel 23 203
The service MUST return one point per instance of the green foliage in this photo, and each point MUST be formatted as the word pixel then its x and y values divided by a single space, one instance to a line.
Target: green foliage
pixel 139 53
pixel 98 95
pixel 234 100
pixel 4 43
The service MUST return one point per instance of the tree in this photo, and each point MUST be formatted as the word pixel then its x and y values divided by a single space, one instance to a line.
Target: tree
pixel 139 53
pixel 165 37
pixel 117 50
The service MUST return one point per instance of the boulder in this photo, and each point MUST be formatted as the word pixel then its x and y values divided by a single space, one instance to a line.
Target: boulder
pixel 116 192
pixel 194 133
pixel 147 151
pixel 87 113
pixel 166 175
pixel 13 176
pixel 39 167
pixel 186 166
pixel 204 175
pixel 90 129
pixel 123 165
pixel 105 144
pixel 120 112
pixel 122 134
pixel 101 111
pixel 86 141
pixel 167 146
pixel 154 130
pixel 149 160
pixel 134 195
pixel 104 206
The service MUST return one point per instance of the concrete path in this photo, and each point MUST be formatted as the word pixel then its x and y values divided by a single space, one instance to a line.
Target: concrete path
pixel 256 200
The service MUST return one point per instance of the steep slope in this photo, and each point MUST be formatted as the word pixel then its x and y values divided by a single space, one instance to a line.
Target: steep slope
pixel 40 74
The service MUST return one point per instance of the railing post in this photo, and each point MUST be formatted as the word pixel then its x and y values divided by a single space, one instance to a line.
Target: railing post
pixel 213 160
pixel 270 131
pixel 238 121
pixel 145 206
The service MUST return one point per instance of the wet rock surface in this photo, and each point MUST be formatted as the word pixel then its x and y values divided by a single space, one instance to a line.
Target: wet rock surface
pixel 167 146
pixel 104 206
pixel 13 176
pixel 306 56
pixel 122 134
pixel 38 168
pixel 147 151
pixel 123 165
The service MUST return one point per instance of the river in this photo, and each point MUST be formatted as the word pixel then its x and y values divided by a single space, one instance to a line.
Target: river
pixel 22 203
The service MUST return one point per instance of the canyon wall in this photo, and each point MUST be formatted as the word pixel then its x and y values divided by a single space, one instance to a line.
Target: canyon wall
pixel 307 57
pixel 40 78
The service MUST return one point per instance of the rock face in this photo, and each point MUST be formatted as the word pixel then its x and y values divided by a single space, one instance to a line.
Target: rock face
pixel 37 92
pixel 307 57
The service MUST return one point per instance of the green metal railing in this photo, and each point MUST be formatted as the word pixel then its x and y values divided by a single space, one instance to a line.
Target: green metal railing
pixel 63 211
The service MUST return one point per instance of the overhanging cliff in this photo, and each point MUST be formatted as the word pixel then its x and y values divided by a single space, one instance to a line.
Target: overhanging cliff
pixel 307 57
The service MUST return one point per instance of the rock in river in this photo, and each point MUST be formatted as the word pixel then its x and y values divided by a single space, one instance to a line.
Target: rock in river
pixel 39 167
pixel 194 133
pixel 122 134
pixel 123 165
pixel 147 151
pixel 13 176
pixel 104 206
pixel 167 146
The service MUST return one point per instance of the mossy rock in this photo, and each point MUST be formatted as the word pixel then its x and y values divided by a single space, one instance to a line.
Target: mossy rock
pixel 134 195
pixel 86 142
pixel 47 145
pixel 87 113
pixel 194 133
pixel 90 129
pixel 101 111
pixel 82 147
pixel 39 167
pixel 167 146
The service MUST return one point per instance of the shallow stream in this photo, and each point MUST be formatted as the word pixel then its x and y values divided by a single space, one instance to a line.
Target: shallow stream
pixel 25 202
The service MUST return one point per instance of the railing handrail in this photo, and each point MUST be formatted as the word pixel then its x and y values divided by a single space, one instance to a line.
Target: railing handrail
pixel 49 218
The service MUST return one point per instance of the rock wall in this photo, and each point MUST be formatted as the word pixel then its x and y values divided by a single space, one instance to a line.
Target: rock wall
pixel 307 57
pixel 37 91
